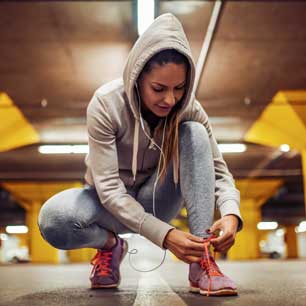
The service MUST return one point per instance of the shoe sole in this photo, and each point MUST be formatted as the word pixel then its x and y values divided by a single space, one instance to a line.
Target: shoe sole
pixel 225 291
pixel 97 286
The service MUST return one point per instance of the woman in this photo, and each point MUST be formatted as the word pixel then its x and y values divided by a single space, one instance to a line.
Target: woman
pixel 133 187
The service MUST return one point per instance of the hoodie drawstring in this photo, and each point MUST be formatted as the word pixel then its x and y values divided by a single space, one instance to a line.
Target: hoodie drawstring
pixel 175 165
pixel 135 155
pixel 135 149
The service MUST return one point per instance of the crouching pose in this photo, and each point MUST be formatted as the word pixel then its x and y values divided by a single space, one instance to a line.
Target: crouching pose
pixel 151 151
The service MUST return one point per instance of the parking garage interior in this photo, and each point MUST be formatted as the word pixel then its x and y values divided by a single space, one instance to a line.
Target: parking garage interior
pixel 251 76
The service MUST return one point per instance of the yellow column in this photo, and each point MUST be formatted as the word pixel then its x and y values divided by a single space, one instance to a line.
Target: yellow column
pixel 31 195
pixel 23 239
pixel 39 249
pixel 291 241
pixel 303 155
pixel 247 241
pixel 81 255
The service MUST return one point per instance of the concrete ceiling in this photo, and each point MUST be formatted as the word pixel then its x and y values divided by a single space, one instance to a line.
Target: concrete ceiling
pixel 60 52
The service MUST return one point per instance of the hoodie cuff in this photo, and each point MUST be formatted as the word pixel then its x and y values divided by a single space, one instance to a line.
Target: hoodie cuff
pixel 155 230
pixel 230 207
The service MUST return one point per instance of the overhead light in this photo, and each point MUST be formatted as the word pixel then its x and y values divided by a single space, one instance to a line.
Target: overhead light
pixel 284 148
pixel 232 147
pixel 44 103
pixel 267 225
pixel 247 101
pixel 145 14
pixel 16 229
pixel 185 7
pixel 63 149
pixel 82 149
pixel 302 227
pixel 69 149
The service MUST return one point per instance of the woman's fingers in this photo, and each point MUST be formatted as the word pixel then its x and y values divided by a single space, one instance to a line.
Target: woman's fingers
pixel 193 250
pixel 190 247
pixel 227 236
pixel 191 259
pixel 195 238
pixel 194 253
pixel 224 248
pixel 188 258
pixel 199 246
pixel 224 245
pixel 216 226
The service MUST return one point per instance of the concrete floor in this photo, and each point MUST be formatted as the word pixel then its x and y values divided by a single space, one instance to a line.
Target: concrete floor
pixel 264 283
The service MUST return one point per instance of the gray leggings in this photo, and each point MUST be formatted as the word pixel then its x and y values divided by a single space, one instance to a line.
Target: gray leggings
pixel 75 218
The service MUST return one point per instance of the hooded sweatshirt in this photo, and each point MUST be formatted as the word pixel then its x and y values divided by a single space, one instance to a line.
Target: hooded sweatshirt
pixel 120 154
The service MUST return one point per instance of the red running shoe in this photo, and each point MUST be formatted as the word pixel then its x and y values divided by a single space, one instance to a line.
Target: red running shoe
pixel 105 272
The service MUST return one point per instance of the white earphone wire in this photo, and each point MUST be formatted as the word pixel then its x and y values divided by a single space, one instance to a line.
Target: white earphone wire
pixel 135 251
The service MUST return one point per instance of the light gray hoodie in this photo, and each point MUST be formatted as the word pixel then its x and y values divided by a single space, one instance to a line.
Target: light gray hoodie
pixel 120 155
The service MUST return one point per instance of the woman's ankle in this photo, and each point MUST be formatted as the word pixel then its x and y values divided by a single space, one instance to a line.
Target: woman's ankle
pixel 111 241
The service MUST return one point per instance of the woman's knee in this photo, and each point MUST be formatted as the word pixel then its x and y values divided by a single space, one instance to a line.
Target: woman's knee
pixel 192 135
pixel 193 128
pixel 56 222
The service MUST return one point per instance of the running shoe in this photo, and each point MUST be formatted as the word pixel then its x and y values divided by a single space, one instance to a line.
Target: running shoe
pixel 206 277
pixel 106 265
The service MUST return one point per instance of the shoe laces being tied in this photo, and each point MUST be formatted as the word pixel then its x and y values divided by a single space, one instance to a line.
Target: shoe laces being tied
pixel 101 262
pixel 208 263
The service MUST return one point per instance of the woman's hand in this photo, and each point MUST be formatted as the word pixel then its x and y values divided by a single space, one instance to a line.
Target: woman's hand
pixel 185 246
pixel 228 225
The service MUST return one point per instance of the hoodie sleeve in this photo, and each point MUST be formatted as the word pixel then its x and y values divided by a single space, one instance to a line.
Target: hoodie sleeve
pixel 226 194
pixel 111 190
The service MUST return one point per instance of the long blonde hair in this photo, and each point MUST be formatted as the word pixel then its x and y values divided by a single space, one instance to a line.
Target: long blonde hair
pixel 170 147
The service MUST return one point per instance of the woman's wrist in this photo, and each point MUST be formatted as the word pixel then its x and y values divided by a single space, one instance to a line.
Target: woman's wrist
pixel 165 243
pixel 234 219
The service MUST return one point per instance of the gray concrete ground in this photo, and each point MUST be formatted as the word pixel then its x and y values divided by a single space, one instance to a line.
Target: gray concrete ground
pixel 264 283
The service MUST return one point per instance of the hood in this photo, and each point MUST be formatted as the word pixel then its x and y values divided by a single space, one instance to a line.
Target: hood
pixel 166 32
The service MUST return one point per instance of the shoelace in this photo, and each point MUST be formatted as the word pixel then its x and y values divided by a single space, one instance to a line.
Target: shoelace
pixel 208 263
pixel 101 262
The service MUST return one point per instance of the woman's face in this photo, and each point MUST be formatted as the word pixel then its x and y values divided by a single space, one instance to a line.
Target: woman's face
pixel 162 87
